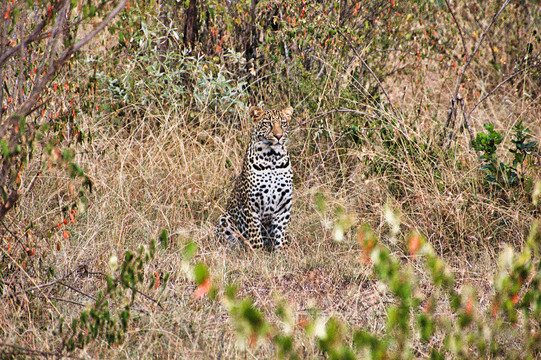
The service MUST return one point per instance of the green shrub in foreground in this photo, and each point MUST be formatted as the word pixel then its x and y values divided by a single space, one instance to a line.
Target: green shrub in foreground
pixel 450 322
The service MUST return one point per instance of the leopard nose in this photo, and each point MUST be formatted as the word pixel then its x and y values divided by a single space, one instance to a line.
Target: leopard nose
pixel 278 136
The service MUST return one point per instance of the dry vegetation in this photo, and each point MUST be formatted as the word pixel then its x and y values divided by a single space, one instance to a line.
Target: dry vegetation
pixel 157 165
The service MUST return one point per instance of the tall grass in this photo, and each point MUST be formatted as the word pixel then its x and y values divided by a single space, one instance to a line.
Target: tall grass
pixel 163 147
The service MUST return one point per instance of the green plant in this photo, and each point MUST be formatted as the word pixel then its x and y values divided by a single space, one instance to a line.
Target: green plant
pixel 499 172
pixel 108 316
pixel 466 328
pixel 523 149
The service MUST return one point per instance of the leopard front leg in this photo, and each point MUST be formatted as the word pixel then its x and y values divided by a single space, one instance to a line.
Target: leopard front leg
pixel 226 231
pixel 280 224
pixel 253 224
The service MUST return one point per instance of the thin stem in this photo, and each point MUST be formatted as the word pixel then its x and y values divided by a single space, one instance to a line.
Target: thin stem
pixel 458 27
pixel 362 113
pixel 477 46
pixel 497 87
pixel 371 72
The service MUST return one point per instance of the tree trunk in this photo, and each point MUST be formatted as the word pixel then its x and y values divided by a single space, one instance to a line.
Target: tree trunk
pixel 251 44
pixel 190 25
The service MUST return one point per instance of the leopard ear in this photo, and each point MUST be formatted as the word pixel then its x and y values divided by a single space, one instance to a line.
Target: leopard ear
pixel 288 111
pixel 255 112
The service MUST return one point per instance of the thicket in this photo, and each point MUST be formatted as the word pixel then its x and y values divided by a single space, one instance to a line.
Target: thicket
pixel 353 71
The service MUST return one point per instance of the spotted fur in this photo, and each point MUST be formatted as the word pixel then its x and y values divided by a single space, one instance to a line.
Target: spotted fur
pixel 259 209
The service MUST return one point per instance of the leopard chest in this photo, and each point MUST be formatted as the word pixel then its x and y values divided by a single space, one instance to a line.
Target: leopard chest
pixel 269 182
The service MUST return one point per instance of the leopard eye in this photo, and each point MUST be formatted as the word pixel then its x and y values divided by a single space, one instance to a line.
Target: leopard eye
pixel 284 123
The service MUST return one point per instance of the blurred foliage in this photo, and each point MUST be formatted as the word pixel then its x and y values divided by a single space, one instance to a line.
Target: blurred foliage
pixel 109 315
pixel 448 320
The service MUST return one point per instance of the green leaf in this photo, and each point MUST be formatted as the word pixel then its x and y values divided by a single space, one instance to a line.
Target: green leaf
pixel 4 148
pixel 201 273
pixel 164 239
pixel 75 170
pixel 189 251
pixel 426 327
pixel 231 292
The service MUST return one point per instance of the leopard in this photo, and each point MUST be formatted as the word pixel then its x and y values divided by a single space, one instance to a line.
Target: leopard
pixel 258 211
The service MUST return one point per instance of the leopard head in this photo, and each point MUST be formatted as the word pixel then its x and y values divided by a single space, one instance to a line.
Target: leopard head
pixel 272 126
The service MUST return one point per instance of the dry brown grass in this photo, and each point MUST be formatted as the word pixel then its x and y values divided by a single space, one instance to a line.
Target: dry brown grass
pixel 163 171
pixel 166 174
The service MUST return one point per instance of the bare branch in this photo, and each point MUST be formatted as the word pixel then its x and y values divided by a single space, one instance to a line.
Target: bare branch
pixel 98 28
pixel 65 56
pixel 477 46
pixel 458 27
pixel 10 128
pixel 11 200
pixel 371 72
pixel 466 121
pixel 307 183
pixel 34 36
pixel 41 286
pixel 455 99
pixel 512 76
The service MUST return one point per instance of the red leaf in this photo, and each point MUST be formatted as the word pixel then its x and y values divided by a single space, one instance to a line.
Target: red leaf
pixel 157 283
pixel 413 244
pixel 469 306
pixel 202 289
pixel 515 299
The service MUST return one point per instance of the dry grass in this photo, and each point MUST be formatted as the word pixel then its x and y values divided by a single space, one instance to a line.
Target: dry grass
pixel 161 171
pixel 165 174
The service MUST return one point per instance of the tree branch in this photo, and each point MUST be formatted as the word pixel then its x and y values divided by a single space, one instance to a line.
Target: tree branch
pixel 477 46
pixel 34 36
pixel 458 27
pixel 512 76
pixel 455 99
pixel 10 130
pixel 371 72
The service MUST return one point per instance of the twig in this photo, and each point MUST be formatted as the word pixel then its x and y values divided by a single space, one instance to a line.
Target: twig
pixel 31 280
pixel 458 27
pixel 9 202
pixel 148 297
pixel 454 99
pixel 34 36
pixel 157 302
pixel 477 46
pixel 19 350
pixel 325 156
pixel 497 87
pixel 77 290
pixel 466 121
pixel 66 300
pixel 9 129
pixel 25 108
pixel 13 234
pixel 333 111
pixel 371 72
pixel 36 175
pixel 41 286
